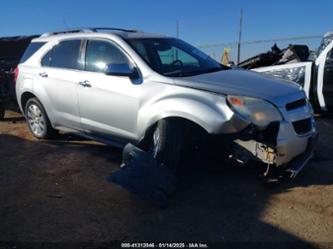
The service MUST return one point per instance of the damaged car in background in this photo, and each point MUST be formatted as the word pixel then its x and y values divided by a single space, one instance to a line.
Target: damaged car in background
pixel 124 86
pixel 314 72
pixel 11 51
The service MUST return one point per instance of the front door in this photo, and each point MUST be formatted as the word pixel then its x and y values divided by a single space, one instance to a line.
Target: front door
pixel 108 104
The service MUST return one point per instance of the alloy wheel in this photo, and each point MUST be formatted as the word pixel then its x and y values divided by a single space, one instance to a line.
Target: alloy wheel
pixel 36 120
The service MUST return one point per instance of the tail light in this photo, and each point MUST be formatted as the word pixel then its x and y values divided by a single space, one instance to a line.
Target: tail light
pixel 16 73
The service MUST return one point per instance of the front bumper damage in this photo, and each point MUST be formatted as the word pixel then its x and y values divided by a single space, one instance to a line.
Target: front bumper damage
pixel 278 146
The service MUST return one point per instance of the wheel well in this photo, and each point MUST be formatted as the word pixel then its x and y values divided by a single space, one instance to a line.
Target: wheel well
pixel 25 97
pixel 189 126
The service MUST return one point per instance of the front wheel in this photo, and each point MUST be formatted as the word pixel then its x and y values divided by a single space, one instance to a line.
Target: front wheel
pixel 37 119
pixel 168 142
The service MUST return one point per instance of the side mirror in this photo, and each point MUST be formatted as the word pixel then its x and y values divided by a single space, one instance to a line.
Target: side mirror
pixel 121 69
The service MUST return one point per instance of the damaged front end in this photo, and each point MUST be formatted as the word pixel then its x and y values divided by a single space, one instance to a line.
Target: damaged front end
pixel 280 134
pixel 255 144
pixel 278 146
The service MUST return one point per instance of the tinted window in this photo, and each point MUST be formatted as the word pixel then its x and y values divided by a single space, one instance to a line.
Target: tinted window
pixel 32 48
pixel 64 55
pixel 99 54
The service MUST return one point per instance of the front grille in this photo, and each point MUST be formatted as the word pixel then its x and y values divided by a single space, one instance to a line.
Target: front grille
pixel 303 126
pixel 296 104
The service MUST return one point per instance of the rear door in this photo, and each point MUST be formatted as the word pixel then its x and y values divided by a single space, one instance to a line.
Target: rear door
pixel 58 77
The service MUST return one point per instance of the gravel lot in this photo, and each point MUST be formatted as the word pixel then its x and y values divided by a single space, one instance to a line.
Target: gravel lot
pixel 55 191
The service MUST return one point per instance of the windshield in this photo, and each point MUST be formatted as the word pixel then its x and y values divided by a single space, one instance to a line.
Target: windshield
pixel 173 57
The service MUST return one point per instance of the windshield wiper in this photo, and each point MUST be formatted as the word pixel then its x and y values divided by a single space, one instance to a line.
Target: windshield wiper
pixel 179 73
pixel 176 72
pixel 198 72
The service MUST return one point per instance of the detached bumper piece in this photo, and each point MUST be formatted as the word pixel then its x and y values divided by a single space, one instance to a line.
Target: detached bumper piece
pixel 141 174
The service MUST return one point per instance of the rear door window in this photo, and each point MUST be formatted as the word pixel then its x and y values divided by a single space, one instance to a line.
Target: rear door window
pixel 32 48
pixel 64 55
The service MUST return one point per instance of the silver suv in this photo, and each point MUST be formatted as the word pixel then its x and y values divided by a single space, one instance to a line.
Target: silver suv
pixel 120 86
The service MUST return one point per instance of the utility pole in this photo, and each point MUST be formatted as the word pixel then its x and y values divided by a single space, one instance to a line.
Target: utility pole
pixel 177 29
pixel 177 35
pixel 240 36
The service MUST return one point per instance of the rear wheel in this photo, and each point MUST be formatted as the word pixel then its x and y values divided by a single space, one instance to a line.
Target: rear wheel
pixel 37 119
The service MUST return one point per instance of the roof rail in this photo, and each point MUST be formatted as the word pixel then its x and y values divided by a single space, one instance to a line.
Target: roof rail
pixel 85 30
pixel 68 31
pixel 115 29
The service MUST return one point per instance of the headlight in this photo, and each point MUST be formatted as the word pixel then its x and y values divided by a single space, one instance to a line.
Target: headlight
pixel 259 112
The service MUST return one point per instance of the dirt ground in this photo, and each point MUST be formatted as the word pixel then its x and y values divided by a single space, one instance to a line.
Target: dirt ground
pixel 56 191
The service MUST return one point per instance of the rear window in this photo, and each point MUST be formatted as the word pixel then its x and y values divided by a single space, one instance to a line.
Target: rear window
pixel 64 55
pixel 32 48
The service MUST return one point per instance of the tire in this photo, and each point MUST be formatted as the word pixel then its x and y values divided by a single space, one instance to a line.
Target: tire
pixel 168 143
pixel 37 120
pixel 2 113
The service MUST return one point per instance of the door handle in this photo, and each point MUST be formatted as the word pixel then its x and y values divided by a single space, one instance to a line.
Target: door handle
pixel 43 75
pixel 85 83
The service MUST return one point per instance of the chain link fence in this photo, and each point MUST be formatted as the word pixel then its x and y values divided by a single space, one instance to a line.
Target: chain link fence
pixel 252 48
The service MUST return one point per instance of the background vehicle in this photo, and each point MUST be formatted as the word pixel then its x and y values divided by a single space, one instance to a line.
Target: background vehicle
pixel 11 51
pixel 121 86
pixel 315 76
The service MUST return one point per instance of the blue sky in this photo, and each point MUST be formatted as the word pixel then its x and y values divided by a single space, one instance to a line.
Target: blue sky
pixel 201 22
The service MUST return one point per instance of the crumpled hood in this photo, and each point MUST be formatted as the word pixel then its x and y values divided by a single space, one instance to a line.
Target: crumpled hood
pixel 242 82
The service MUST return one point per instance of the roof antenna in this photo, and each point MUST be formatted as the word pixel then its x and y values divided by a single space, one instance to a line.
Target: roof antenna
pixel 64 22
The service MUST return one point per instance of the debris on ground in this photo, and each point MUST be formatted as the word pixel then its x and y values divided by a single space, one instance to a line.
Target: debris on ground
pixel 140 173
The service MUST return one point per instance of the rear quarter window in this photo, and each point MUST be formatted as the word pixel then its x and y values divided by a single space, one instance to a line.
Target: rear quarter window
pixel 64 55
pixel 31 49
